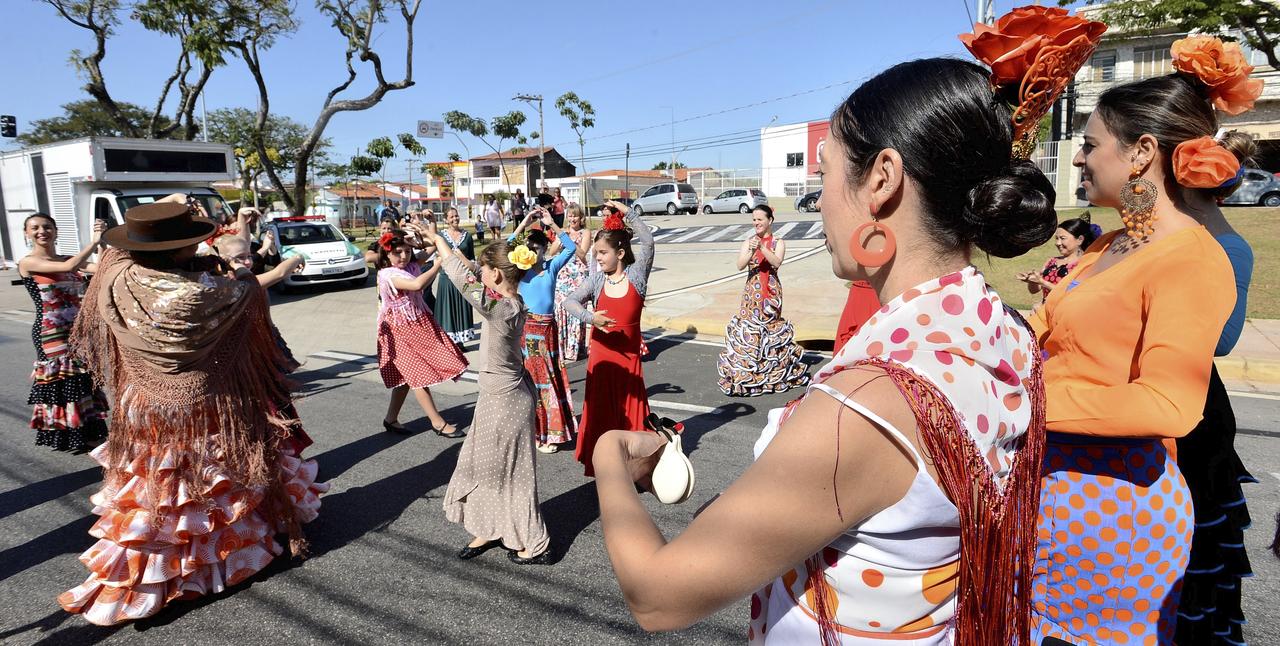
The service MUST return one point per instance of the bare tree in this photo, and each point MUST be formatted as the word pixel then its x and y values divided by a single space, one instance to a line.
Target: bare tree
pixel 174 17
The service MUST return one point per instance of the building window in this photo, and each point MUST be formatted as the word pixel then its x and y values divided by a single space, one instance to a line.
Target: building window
pixel 1151 61
pixel 795 160
pixel 793 189
pixel 1104 66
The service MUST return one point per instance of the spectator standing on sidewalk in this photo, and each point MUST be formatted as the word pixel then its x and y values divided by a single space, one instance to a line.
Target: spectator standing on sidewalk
pixel 1072 239
pixel 558 207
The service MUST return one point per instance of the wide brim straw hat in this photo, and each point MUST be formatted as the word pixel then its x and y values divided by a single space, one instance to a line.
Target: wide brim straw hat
pixel 160 226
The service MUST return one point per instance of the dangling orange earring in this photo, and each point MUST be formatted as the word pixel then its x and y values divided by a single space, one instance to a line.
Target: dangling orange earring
pixel 866 257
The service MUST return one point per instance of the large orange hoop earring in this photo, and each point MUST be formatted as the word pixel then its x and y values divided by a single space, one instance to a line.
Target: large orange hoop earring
pixel 866 257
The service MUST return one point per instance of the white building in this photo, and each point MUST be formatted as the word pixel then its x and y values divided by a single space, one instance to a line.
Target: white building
pixel 789 158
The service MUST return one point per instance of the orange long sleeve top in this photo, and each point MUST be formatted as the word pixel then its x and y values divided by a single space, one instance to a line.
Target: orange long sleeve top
pixel 1130 349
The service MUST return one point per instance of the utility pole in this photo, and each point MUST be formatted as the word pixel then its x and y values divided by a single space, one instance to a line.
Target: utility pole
pixel 542 136
pixel 627 172
pixel 673 140
pixel 204 112
pixel 409 190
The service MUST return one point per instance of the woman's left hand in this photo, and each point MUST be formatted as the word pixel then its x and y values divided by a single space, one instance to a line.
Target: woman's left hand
pixel 639 449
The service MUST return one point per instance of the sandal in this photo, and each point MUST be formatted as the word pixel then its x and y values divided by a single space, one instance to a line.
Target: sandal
pixel 452 436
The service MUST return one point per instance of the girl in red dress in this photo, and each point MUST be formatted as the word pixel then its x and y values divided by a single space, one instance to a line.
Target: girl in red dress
pixel 414 353
pixel 615 393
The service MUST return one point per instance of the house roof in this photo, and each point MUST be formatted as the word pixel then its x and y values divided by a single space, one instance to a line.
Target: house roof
pixel 358 191
pixel 682 174
pixel 523 152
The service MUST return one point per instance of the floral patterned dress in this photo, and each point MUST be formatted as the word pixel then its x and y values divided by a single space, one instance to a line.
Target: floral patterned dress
pixel 760 354
pixel 574 334
pixel 68 412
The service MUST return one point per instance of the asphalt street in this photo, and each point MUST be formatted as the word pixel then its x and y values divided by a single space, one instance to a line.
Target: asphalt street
pixel 383 569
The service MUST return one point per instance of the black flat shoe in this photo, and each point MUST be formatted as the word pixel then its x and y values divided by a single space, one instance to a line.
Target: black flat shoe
pixel 454 435
pixel 395 428
pixel 467 553
pixel 542 559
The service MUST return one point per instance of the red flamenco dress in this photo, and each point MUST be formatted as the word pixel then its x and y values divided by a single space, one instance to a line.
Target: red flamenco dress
pixel 615 393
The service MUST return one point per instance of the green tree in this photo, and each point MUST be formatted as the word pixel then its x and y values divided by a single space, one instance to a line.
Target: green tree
pixel 662 165
pixel 581 116
pixel 455 157
pixel 88 118
pixel 382 149
pixel 503 127
pixel 1258 21
pixel 281 138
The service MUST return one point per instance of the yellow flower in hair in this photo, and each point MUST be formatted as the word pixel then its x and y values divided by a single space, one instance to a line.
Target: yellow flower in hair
pixel 522 257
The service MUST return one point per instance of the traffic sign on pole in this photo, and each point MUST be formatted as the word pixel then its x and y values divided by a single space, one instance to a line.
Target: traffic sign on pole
pixel 8 125
pixel 431 129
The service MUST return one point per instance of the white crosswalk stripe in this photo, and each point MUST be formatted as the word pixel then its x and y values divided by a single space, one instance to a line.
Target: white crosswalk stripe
pixel 720 233
pixel 691 235
pixel 745 234
pixel 666 234
pixel 814 231
pixel 781 233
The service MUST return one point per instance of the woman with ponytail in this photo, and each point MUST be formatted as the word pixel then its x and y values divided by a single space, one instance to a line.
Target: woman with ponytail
pixel 1117 518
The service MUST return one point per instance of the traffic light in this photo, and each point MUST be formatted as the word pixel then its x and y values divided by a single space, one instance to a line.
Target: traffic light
pixel 8 125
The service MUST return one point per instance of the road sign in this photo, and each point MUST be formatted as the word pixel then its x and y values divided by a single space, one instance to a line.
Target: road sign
pixel 8 125
pixel 431 129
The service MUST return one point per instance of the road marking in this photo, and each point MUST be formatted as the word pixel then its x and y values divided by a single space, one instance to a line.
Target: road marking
pixel 1234 393
pixel 1275 475
pixel 691 235
pixel 730 278
pixel 721 233
pixel 781 233
pixel 334 355
pixel 745 234
pixel 688 408
pixel 27 313
pixel 813 231
pixel 664 234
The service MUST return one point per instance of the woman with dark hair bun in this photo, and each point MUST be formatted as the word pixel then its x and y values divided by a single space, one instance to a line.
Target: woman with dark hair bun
pixel 1117 518
pixel 841 527
pixel 1071 238
pixel 761 355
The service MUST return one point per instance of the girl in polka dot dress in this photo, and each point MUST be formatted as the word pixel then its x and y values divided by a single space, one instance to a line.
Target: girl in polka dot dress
pixel 69 412
pixel 414 353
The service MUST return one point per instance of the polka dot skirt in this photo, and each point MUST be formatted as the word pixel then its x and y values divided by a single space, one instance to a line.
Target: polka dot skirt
pixel 417 353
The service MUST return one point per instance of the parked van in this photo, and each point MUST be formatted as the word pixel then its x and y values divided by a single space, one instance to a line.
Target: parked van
pixel 670 198
pixel 90 178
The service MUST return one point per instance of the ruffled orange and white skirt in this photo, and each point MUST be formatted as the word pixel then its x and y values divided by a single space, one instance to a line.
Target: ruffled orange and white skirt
pixel 196 548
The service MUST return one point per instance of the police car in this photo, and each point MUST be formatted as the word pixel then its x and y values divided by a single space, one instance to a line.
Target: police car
pixel 330 257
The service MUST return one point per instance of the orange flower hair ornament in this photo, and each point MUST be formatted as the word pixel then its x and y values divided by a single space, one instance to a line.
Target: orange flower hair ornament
pixel 1204 163
pixel 1033 53
pixel 1222 69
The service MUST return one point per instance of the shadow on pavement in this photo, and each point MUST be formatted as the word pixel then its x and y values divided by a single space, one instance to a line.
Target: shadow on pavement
pixel 664 389
pixel 568 514
pixel 658 346
pixel 79 633
pixel 698 425
pixel 38 493
pixel 71 538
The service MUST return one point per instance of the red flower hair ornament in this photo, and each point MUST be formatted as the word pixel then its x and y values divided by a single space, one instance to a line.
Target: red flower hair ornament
pixel 613 222
pixel 1033 53
pixel 385 241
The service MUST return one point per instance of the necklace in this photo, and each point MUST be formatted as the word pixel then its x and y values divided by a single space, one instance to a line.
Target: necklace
pixel 615 282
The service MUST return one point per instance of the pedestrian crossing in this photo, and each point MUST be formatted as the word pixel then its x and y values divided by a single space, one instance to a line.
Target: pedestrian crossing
pixel 737 233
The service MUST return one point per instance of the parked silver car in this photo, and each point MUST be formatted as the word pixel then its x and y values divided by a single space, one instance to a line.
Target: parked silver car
pixel 1257 187
pixel 671 198
pixel 742 200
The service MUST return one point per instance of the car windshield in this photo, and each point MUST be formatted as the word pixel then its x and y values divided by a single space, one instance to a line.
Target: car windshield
pixel 212 203
pixel 300 234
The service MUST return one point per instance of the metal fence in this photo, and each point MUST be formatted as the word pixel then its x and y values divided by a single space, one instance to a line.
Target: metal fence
pixel 710 183
pixel 1046 157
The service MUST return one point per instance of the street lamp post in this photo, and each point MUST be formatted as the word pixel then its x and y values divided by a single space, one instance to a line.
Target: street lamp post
pixel 542 134
pixel 455 188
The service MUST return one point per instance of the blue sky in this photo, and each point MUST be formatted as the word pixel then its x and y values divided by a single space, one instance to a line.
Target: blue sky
pixel 631 60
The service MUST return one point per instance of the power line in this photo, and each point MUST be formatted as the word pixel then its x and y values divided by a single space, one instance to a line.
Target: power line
pixel 667 124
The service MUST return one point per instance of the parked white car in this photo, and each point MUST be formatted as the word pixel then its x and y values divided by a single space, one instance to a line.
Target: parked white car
pixel 330 257
pixel 670 198
pixel 742 200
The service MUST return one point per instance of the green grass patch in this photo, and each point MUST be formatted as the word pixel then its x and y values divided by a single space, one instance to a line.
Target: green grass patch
pixel 1259 226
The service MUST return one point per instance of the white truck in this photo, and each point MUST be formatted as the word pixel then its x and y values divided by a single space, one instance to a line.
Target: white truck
pixel 79 180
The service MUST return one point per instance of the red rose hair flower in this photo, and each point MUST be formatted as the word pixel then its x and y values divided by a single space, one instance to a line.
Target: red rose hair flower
pixel 385 241
pixel 613 222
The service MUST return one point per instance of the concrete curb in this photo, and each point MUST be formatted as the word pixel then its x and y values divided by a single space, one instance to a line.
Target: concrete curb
pixel 1230 368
